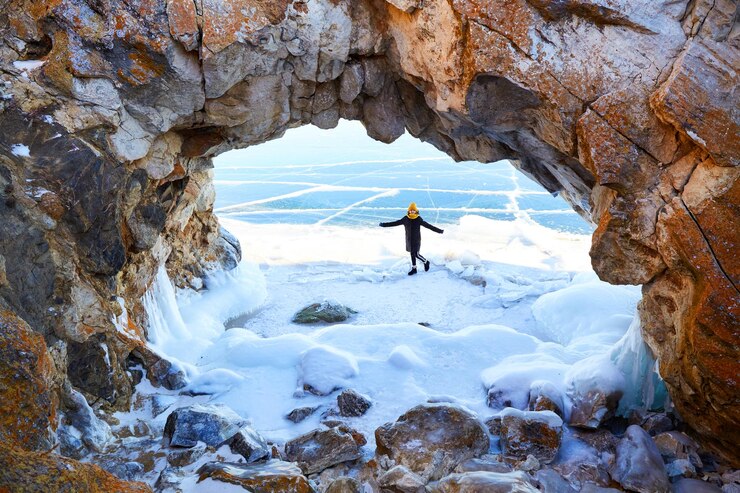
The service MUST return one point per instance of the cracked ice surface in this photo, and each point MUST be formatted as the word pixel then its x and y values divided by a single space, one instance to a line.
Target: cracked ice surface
pixel 352 181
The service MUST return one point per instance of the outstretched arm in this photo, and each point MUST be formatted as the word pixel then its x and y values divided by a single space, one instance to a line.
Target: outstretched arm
pixel 433 228
pixel 392 223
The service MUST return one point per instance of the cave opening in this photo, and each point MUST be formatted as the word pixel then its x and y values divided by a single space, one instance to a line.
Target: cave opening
pixel 509 299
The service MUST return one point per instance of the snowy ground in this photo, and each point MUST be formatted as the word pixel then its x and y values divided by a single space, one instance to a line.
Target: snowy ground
pixel 506 303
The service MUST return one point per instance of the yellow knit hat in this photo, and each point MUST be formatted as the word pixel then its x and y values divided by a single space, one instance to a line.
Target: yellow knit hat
pixel 413 212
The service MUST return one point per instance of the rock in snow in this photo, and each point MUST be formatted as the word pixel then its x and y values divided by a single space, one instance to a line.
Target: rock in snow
pixel 352 404
pixel 544 396
pixel 249 444
pixel 320 449
pixel 299 414
pixel 638 465
pixel 432 439
pixel 212 424
pixel 530 432
pixel 326 311
pixel 271 477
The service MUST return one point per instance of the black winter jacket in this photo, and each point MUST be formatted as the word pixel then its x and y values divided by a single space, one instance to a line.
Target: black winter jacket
pixel 413 231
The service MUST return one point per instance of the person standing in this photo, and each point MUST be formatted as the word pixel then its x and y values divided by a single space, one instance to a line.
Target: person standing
pixel 412 223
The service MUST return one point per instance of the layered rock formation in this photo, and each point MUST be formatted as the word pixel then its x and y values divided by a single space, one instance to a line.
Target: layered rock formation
pixel 111 112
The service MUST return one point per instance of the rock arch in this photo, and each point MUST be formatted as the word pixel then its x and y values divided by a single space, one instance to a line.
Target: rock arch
pixel 112 110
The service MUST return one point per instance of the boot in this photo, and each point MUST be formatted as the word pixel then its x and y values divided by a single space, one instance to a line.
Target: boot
pixel 426 266
pixel 412 271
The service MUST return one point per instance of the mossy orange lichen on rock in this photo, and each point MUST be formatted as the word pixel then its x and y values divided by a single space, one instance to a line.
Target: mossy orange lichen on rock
pixel 27 403
pixel 23 471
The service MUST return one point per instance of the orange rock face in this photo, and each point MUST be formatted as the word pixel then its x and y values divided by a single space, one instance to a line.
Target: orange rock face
pixel 32 471
pixel 27 404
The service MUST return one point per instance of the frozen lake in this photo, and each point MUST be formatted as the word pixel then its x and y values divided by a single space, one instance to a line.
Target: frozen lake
pixel 342 177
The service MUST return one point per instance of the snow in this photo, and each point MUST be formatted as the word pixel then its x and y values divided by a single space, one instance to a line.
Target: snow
pixel 541 316
pixel 21 150
pixel 547 417
pixel 27 65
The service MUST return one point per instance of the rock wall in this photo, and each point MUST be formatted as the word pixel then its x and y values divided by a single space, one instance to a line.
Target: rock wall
pixel 112 110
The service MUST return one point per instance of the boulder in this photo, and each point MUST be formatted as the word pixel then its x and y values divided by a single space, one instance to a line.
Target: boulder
pixel 550 481
pixel 480 482
pixel 327 311
pixel 344 485
pixel 638 465
pixel 274 476
pixel 249 444
pixel 160 371
pixel 80 420
pixel 694 486
pixel 680 468
pixel 400 479
pixel 536 433
pixel 544 396
pixel 653 423
pixel 352 404
pixel 432 439
pixel 592 407
pixel 677 445
pixel 299 414
pixel 180 457
pixel 320 449
pixel 212 424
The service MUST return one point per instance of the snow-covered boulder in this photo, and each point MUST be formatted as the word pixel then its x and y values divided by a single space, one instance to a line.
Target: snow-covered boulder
pixel 320 449
pixel 274 476
pixel 324 369
pixel 490 482
pixel 536 433
pixel 638 465
pixel 82 425
pixel 545 396
pixel 212 424
pixel 432 439
pixel 352 404
pixel 327 311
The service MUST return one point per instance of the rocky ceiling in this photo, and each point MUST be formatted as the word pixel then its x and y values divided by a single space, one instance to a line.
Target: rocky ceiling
pixel 111 111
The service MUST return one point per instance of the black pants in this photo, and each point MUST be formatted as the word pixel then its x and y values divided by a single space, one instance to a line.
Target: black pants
pixel 414 256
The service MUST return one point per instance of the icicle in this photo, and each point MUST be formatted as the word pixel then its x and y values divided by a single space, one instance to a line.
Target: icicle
pixel 635 361
pixel 165 321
